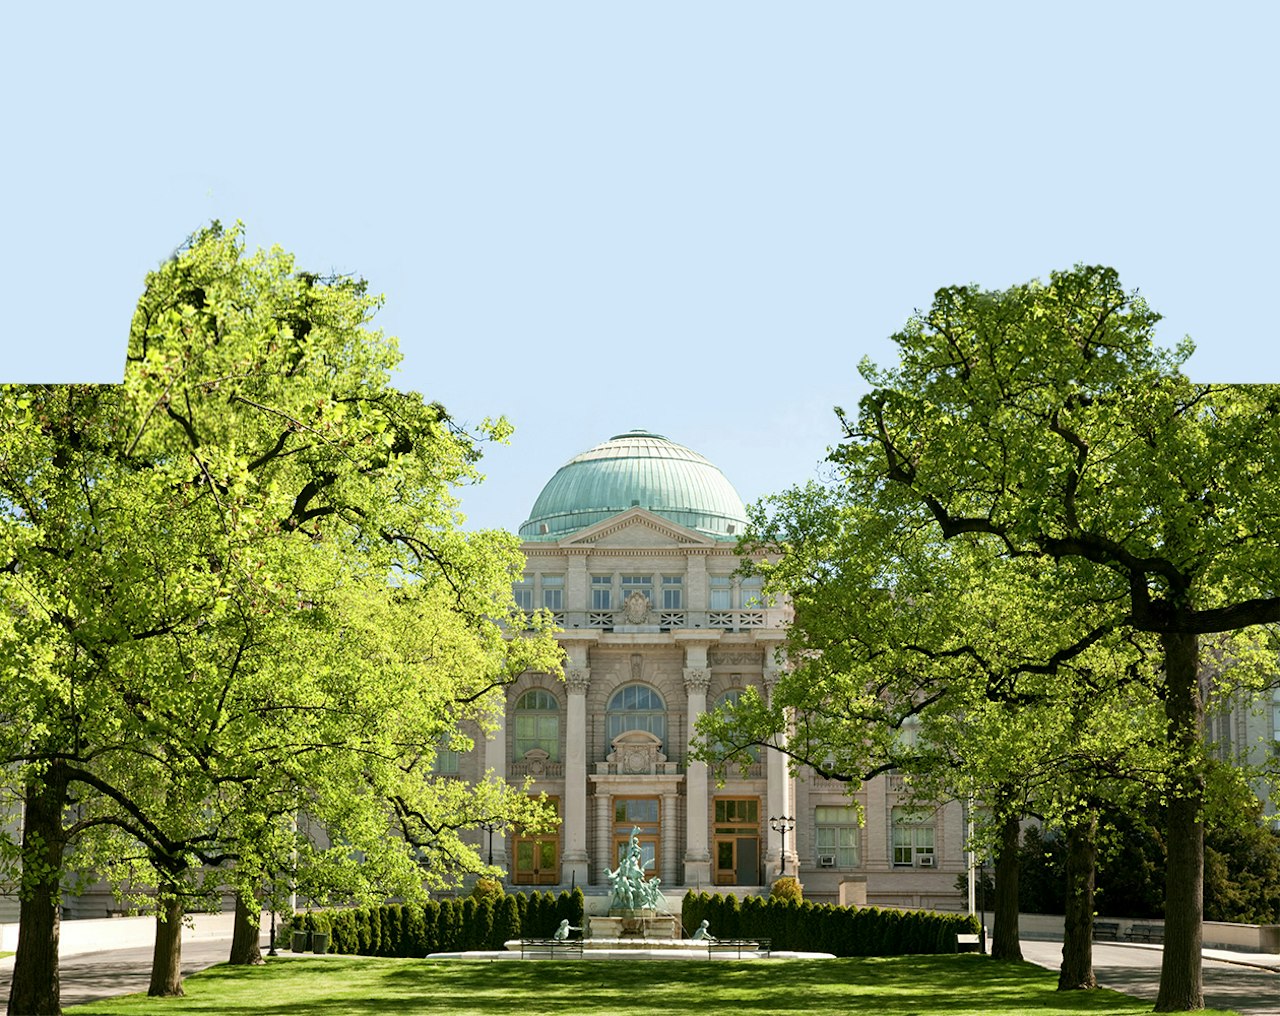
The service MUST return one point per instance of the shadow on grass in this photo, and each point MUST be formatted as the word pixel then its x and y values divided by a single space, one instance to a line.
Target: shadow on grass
pixel 917 985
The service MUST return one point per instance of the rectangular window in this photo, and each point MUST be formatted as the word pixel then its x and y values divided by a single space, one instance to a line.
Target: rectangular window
pixel 447 759
pixel 601 592
pixel 553 592
pixel 721 591
pixel 738 811
pixel 749 593
pixel 523 592
pixel 637 584
pixel 1275 715
pixel 672 592
pixel 837 836
pixel 912 835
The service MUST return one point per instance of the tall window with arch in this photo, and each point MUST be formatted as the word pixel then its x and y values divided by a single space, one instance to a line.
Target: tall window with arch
pixel 537 716
pixel 730 699
pixel 636 707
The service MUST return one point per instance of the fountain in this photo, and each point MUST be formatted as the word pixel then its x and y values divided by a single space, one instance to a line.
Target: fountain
pixel 637 909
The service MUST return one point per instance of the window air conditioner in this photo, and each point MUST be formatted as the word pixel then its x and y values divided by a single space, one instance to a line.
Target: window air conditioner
pixel 827 860
pixel 925 860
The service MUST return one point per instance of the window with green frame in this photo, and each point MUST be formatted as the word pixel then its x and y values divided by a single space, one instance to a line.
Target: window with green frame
pixel 537 722
pixel 912 835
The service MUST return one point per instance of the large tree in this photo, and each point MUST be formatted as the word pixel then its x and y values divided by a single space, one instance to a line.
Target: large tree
pixel 1046 418
pixel 235 583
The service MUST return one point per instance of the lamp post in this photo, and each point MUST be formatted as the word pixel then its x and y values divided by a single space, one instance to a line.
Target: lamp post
pixel 783 824
pixel 489 827
pixel 982 907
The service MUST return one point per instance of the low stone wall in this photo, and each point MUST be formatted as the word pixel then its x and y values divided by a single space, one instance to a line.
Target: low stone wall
pixel 1262 938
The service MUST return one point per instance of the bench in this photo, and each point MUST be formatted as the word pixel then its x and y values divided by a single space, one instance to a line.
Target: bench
pixel 739 945
pixel 1145 933
pixel 1106 930
pixel 552 947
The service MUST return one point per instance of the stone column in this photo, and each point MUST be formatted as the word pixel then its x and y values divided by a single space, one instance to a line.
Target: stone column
pixel 604 826
pixel 495 764
pixel 778 795
pixel 577 680
pixel 697 855
pixel 670 816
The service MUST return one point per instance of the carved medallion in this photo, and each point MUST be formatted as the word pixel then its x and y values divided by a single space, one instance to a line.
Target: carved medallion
pixel 636 608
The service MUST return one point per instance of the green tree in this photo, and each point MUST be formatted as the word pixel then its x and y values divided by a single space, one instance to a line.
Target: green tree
pixel 1046 419
pixel 202 633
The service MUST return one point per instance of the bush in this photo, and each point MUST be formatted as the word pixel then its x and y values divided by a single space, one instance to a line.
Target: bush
pixel 487 888
pixel 786 888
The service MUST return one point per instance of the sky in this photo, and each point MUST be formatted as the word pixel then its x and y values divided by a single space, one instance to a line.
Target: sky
pixel 694 218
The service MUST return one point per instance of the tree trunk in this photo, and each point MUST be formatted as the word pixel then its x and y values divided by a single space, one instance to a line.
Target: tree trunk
pixel 1181 980
pixel 1004 943
pixel 34 988
pixel 245 935
pixel 1077 941
pixel 166 960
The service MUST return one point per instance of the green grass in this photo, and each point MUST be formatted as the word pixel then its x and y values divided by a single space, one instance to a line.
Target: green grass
pixel 963 985
pixel 5 955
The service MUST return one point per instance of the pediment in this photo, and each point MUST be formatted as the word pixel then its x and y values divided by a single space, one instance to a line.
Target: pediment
pixel 638 527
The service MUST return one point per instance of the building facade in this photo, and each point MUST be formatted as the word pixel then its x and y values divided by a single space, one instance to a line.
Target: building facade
pixel 631 546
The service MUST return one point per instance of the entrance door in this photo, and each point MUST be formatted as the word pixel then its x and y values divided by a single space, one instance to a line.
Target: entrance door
pixel 537 860
pixel 737 841
pixel 737 860
pixel 537 855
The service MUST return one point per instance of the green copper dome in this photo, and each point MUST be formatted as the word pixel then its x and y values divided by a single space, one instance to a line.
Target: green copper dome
pixel 637 469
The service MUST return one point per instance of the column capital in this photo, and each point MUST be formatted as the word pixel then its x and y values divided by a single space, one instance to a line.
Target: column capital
pixel 696 679
pixel 577 680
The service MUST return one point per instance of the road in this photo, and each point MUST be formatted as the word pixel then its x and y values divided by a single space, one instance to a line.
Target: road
pixel 1135 970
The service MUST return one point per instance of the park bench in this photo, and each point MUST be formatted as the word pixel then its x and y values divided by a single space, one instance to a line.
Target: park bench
pixel 739 946
pixel 553 947
pixel 1145 933
pixel 1106 930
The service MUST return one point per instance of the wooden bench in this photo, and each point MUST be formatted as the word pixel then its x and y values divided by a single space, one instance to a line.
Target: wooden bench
pixel 1106 930
pixel 552 947
pixel 1145 933
pixel 739 946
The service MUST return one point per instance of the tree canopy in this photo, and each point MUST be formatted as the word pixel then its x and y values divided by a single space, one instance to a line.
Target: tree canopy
pixel 235 586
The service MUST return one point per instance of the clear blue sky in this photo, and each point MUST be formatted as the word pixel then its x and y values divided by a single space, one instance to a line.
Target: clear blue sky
pixel 690 217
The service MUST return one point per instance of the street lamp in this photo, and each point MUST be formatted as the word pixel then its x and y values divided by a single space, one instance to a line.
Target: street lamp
pixel 783 824
pixel 489 827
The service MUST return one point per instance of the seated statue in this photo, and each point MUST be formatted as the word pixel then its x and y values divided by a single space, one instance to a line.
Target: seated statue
pixel 703 934
pixel 561 934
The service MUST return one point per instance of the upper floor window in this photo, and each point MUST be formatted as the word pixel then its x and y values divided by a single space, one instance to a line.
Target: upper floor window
pixel 672 592
pixel 750 594
pixel 601 592
pixel 553 592
pixel 912 836
pixel 636 707
pixel 446 760
pixel 721 589
pixel 837 836
pixel 1275 714
pixel 523 592
pixel 637 584
pixel 537 722
pixel 730 698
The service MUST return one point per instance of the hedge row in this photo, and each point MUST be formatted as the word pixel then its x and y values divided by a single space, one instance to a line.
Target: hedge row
pixel 448 925
pixel 809 927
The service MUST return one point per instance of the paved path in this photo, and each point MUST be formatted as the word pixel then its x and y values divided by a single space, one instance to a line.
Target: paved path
pixel 1239 981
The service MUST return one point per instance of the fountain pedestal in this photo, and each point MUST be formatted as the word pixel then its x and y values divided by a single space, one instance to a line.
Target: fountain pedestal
pixel 633 924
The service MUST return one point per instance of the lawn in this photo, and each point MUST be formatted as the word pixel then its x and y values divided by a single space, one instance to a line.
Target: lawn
pixel 963 985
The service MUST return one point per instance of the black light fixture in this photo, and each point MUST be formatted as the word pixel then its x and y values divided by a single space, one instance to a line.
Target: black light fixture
pixel 783 824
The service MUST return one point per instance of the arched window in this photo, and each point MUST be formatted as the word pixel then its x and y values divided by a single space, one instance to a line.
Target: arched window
pixel 730 698
pixel 637 707
pixel 537 716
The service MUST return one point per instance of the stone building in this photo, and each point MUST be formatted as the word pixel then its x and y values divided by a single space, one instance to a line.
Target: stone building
pixel 631 545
